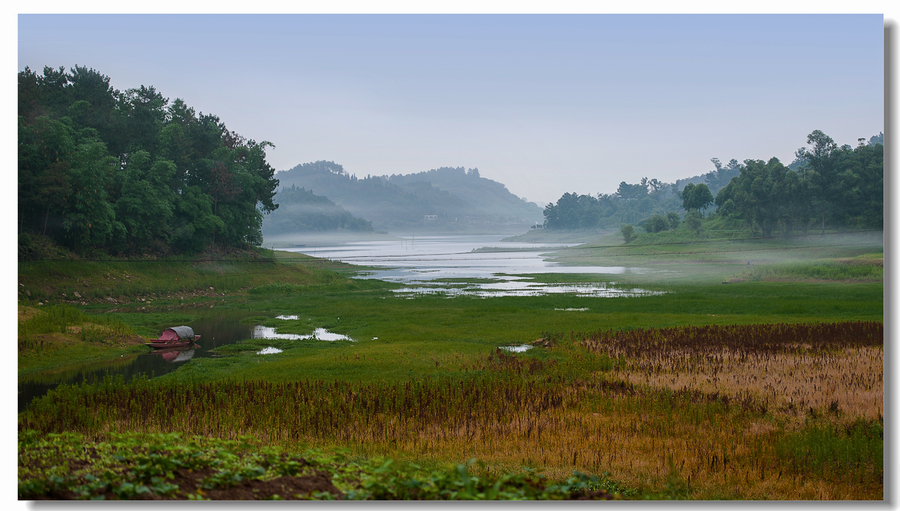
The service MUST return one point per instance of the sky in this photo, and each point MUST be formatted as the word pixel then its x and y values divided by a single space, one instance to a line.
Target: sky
pixel 543 103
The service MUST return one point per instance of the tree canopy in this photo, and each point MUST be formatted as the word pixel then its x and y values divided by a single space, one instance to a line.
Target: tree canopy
pixel 825 184
pixel 127 172
pixel 631 204
pixel 841 186
pixel 696 197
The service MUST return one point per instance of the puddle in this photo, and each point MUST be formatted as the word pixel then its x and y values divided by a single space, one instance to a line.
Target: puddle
pixel 517 349
pixel 320 334
pixel 291 317
pixel 267 332
pixel 268 351
pixel 582 309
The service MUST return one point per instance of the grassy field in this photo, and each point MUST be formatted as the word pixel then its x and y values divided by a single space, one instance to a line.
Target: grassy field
pixel 606 389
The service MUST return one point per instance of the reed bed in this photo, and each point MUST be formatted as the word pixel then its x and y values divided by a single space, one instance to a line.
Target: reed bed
pixel 515 412
pixel 799 370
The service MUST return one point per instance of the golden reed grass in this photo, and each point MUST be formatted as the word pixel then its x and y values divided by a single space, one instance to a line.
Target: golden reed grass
pixel 790 369
pixel 685 411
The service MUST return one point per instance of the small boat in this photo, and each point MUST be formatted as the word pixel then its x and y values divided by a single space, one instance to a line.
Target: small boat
pixel 175 337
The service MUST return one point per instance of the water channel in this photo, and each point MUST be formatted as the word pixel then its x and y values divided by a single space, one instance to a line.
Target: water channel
pixel 215 330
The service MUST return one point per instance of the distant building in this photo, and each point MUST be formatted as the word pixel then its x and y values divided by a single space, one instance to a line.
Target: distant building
pixel 430 217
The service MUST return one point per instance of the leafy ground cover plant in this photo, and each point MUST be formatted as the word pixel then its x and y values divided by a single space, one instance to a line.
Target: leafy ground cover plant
pixel 169 466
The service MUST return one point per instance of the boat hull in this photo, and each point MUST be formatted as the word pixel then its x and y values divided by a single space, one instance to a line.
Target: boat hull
pixel 158 344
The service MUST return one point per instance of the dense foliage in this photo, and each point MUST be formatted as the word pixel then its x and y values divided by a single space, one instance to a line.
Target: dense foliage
pixel 127 172
pixel 631 204
pixel 841 187
pixel 440 198
pixel 300 210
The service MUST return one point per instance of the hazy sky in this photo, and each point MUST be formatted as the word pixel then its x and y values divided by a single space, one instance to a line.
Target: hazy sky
pixel 545 104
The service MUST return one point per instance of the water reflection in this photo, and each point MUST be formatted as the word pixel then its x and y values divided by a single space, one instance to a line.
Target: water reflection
pixel 216 330
pixel 320 334
pixel 521 288
pixel 175 354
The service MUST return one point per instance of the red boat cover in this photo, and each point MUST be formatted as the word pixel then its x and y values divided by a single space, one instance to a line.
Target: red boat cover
pixel 176 333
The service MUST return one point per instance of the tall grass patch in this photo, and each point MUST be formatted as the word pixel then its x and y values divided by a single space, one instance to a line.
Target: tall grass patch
pixel 606 402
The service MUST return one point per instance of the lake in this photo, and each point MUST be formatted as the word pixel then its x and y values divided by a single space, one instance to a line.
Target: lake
pixel 438 264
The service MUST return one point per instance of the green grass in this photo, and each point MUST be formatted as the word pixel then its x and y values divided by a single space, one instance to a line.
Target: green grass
pixel 173 279
pixel 818 271
pixel 63 339
pixel 674 258
pixel 857 448
pixel 446 341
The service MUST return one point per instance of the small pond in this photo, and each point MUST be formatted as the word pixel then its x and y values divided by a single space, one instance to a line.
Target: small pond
pixel 215 331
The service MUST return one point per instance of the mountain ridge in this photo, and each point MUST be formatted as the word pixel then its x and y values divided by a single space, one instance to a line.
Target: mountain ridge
pixel 442 199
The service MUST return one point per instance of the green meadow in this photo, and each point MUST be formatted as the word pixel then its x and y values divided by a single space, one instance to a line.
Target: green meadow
pixel 423 383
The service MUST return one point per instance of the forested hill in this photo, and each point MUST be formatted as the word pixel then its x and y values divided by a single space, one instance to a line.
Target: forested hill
pixel 439 199
pixel 103 171
pixel 300 210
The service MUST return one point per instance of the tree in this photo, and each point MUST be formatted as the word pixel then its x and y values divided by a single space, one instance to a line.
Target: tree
pixel 674 219
pixel 820 173
pixel 722 175
pixel 143 113
pixel 628 232
pixel 696 197
pixel 693 221
pixel 90 220
pixel 656 223
pixel 146 204
pixel 629 192
pixel 766 195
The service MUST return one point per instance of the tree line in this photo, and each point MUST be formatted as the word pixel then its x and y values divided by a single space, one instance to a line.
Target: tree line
pixel 825 185
pixel 129 172
pixel 836 186
pixel 630 204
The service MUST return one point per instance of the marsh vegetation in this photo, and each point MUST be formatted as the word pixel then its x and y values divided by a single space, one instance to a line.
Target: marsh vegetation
pixel 763 388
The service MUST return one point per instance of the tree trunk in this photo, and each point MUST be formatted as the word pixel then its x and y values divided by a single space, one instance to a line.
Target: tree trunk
pixel 44 232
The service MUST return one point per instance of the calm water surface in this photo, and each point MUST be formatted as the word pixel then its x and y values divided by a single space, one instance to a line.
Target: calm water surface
pixel 426 263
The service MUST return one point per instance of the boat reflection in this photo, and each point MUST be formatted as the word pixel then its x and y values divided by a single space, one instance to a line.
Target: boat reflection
pixel 175 354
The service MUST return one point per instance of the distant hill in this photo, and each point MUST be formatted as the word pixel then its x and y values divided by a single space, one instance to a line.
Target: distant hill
pixel 441 199
pixel 300 210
